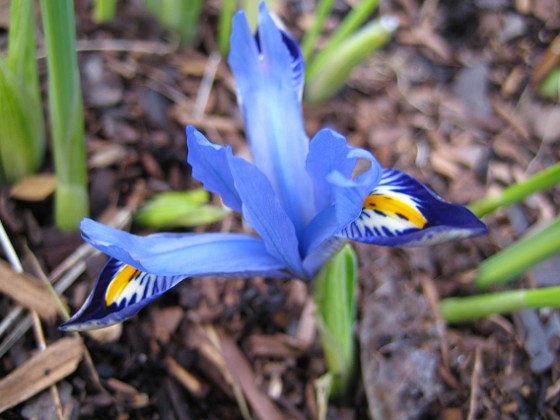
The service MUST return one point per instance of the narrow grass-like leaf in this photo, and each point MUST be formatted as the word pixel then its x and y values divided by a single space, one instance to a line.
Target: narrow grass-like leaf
pixel 22 131
pixel 178 16
pixel 514 260
pixel 104 10
pixel 310 39
pixel 336 67
pixel 224 27
pixel 550 86
pixel 323 390
pixel 21 128
pixel 251 8
pixel 543 180
pixel 474 307
pixel 21 48
pixel 353 20
pixel 66 113
pixel 179 209
pixel 334 294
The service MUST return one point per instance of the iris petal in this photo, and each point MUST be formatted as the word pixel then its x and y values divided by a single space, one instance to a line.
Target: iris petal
pixel 265 214
pixel 401 211
pixel 184 254
pixel 269 100
pixel 210 166
pixel 322 253
pixel 119 293
pixel 339 194
pixel 331 163
pixel 327 153
pixel 298 63
pixel 219 171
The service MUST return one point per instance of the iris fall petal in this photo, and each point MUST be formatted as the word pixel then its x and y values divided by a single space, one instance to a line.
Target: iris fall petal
pixel 119 293
pixel 184 254
pixel 401 211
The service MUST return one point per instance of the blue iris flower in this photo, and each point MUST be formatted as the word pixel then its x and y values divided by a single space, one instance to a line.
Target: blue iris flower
pixel 304 198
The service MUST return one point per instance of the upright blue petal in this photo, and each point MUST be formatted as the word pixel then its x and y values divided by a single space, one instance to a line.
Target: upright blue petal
pixel 331 163
pixel 184 254
pixel 401 211
pixel 210 165
pixel 269 100
pixel 339 192
pixel 328 153
pixel 298 63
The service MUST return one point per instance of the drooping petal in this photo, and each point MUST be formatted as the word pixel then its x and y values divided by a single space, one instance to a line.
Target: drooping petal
pixel 265 214
pixel 210 166
pixel 184 254
pixel 120 291
pixel 269 100
pixel 401 211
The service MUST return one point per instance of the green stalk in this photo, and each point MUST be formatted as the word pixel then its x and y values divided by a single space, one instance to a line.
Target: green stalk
pixel 543 180
pixel 179 16
pixel 224 27
pixel 334 294
pixel 468 308
pixel 351 23
pixel 104 10
pixel 174 209
pixel 21 48
pixel 251 8
pixel 182 16
pixel 336 67
pixel 22 130
pixel 310 38
pixel 520 256
pixel 550 86
pixel 66 113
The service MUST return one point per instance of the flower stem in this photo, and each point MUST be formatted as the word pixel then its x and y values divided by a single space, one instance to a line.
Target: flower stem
pixel 66 113
pixel 334 294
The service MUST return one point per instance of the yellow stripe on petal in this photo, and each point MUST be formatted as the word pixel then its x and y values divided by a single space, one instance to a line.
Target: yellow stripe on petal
pixel 395 208
pixel 119 283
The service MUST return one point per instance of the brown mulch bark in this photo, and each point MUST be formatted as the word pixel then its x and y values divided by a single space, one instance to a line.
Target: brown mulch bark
pixel 451 100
